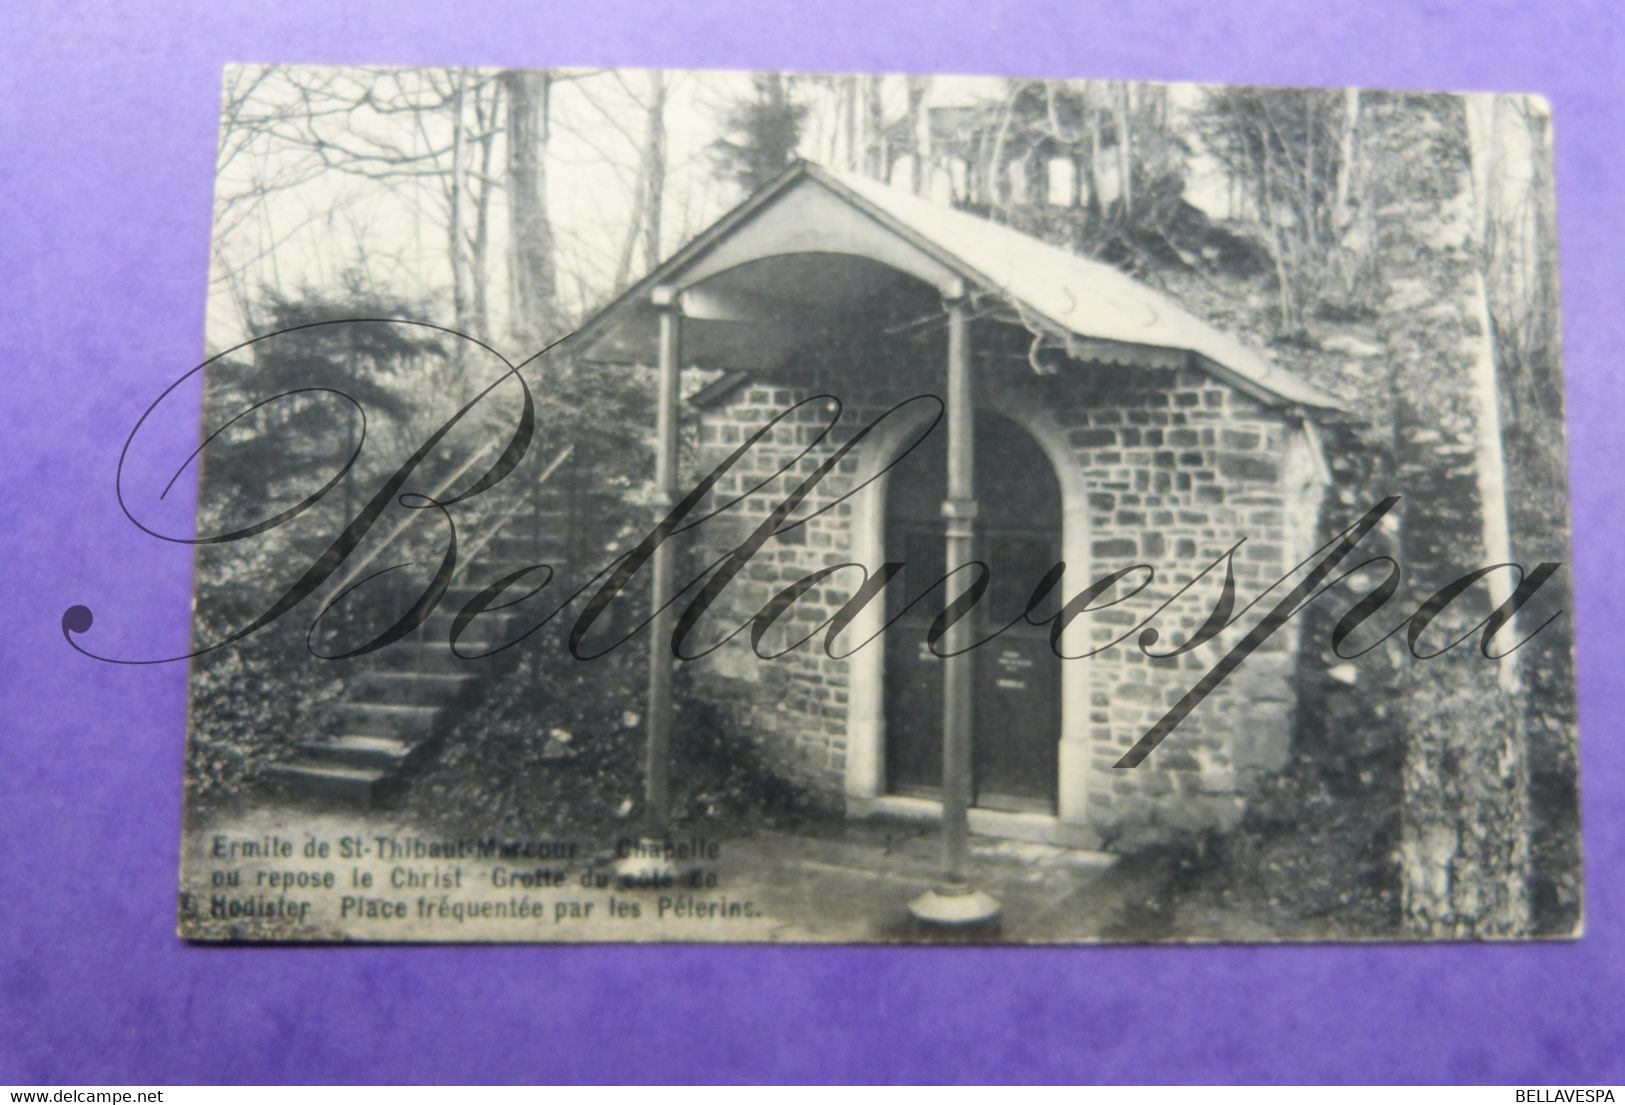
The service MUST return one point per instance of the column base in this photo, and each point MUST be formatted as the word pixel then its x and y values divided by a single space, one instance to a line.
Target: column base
pixel 957 908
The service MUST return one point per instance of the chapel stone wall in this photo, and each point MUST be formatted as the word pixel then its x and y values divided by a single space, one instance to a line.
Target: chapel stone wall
pixel 1176 466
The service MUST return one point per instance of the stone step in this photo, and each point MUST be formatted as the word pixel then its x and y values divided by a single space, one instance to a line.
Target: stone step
pixel 411 653
pixel 552 511
pixel 359 750
pixel 390 712
pixel 525 525
pixel 436 658
pixel 522 549
pixel 492 571
pixel 490 624
pixel 437 625
pixel 402 720
pixel 315 779
pixel 407 684
pixel 436 630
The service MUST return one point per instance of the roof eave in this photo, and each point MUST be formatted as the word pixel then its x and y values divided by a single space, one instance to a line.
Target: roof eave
pixel 640 292
pixel 1316 401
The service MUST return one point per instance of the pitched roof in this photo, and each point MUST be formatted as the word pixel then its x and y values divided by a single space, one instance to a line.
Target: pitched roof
pixel 1075 296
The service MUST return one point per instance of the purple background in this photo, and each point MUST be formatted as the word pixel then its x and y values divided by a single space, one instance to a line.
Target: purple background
pixel 107 131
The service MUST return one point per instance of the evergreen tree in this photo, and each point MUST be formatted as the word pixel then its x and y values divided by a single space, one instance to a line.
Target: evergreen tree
pixel 760 134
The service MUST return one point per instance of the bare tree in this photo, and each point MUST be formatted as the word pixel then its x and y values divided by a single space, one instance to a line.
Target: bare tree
pixel 918 123
pixel 486 97
pixel 532 278
pixel 1125 149
pixel 1295 155
pixel 402 133
pixel 649 184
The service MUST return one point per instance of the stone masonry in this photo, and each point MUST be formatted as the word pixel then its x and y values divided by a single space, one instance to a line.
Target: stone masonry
pixel 1175 467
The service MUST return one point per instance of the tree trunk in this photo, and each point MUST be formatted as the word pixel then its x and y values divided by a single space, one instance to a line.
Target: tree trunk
pixel 655 170
pixel 849 116
pixel 1285 285
pixel 1465 858
pixel 995 170
pixel 1482 119
pixel 1542 339
pixel 1348 244
pixel 1464 851
pixel 532 278
pixel 644 224
pixel 874 127
pixel 1091 112
pixel 485 117
pixel 454 224
pixel 1125 153
pixel 919 128
pixel 1346 146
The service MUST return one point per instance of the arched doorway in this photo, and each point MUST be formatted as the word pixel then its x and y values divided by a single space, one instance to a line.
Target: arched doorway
pixel 1017 725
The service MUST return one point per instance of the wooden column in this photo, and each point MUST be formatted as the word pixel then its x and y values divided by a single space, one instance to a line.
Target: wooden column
pixel 657 759
pixel 954 903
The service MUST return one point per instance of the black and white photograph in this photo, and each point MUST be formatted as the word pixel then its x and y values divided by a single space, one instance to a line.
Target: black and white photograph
pixel 724 506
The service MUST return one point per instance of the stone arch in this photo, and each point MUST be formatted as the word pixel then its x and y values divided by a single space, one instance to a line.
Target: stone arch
pixel 865 777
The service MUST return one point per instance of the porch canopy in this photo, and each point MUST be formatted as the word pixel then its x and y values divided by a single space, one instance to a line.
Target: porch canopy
pixel 816 249
pixel 816 255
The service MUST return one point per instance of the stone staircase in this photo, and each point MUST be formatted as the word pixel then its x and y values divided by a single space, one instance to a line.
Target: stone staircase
pixel 393 714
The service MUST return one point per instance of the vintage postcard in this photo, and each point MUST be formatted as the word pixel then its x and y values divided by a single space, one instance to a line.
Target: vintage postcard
pixel 715 506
